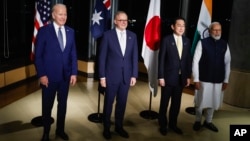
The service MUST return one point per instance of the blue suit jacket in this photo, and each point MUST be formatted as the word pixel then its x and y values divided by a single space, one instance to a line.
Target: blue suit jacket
pixel 49 59
pixel 112 64
pixel 170 63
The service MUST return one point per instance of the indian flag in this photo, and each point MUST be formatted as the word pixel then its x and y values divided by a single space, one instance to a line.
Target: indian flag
pixel 204 21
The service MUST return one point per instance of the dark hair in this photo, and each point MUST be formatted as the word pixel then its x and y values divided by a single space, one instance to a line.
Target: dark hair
pixel 178 18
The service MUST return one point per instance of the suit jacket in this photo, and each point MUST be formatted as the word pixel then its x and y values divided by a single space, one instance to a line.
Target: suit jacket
pixel 112 64
pixel 50 60
pixel 170 63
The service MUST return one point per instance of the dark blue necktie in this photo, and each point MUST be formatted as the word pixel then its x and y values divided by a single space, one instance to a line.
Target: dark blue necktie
pixel 60 38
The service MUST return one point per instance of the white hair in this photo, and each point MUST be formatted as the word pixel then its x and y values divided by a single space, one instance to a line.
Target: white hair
pixel 212 25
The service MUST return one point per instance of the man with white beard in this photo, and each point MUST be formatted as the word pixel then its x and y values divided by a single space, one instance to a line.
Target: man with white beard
pixel 211 70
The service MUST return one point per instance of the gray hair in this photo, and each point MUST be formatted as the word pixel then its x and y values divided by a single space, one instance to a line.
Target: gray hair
pixel 212 25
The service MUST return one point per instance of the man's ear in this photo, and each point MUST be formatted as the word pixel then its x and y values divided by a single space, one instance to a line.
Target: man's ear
pixel 172 27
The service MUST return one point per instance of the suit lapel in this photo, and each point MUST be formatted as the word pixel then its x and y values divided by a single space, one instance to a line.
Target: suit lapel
pixel 128 42
pixel 174 46
pixel 184 45
pixel 54 35
pixel 116 42
pixel 53 32
pixel 67 32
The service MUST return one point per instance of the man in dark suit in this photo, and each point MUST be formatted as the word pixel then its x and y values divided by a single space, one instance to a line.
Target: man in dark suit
pixel 118 70
pixel 56 66
pixel 174 73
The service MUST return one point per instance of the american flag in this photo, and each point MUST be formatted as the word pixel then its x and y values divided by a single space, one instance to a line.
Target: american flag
pixel 42 17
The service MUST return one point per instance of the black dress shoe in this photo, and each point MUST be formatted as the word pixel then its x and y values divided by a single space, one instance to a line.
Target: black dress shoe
pixel 106 134
pixel 122 132
pixel 163 131
pixel 211 126
pixel 197 125
pixel 45 137
pixel 176 130
pixel 62 135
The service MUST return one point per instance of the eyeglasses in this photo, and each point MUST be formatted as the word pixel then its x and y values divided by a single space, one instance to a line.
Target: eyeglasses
pixel 122 20
pixel 216 29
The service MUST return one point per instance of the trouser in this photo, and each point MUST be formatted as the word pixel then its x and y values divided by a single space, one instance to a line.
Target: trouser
pixel 120 92
pixel 208 113
pixel 48 96
pixel 167 93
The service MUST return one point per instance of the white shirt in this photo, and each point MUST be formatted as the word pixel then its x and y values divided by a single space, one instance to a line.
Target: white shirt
pixel 122 43
pixel 209 94
pixel 196 59
pixel 175 38
pixel 63 32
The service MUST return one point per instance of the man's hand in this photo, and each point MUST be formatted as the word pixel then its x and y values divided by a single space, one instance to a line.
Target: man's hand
pixel 103 82
pixel 132 81
pixel 224 86
pixel 188 82
pixel 73 80
pixel 162 82
pixel 44 81
pixel 197 85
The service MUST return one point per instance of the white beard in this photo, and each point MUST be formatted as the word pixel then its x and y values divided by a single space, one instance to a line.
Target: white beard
pixel 216 37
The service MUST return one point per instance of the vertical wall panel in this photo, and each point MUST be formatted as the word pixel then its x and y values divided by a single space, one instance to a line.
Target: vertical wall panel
pixel 238 90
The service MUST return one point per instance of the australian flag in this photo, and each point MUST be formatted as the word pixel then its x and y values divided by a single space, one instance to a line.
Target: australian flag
pixel 101 18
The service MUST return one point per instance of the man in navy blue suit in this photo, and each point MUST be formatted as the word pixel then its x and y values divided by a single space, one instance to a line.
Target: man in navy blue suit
pixel 174 73
pixel 56 66
pixel 118 70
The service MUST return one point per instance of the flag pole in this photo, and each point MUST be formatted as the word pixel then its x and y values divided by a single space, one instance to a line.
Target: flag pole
pixel 149 114
pixel 204 21
pixel 96 117
pixel 150 50
pixel 38 121
pixel 100 23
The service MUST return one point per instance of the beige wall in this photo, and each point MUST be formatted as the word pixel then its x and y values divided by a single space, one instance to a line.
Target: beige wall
pixel 1 80
pixel 86 67
pixel 15 75
pixel 238 92
pixel 22 73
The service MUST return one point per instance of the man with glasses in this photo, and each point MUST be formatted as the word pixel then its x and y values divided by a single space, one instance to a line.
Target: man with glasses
pixel 211 69
pixel 118 70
